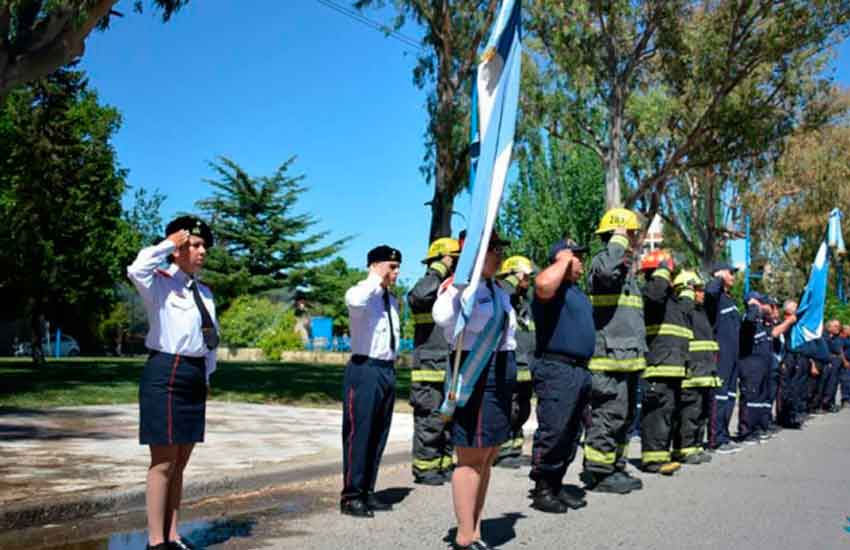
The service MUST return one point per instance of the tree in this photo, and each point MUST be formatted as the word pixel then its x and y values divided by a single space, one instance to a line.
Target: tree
pixel 662 88
pixel 60 200
pixel 39 36
pixel 453 32
pixel 261 243
pixel 559 191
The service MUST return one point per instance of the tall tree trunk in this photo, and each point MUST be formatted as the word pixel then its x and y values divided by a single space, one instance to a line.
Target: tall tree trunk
pixel 442 205
pixel 612 157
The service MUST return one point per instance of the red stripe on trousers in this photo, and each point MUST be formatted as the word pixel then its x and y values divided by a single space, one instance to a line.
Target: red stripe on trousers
pixel 350 434
pixel 171 400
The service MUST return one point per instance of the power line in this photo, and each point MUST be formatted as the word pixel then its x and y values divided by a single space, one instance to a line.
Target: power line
pixel 360 18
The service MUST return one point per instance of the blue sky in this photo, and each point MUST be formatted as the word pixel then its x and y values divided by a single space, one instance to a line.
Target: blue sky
pixel 261 85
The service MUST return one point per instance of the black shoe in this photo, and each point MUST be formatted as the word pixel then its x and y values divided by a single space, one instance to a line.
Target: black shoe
pixel 181 544
pixel 834 408
pixel 376 504
pixel 434 480
pixel 611 483
pixel 572 497
pixel 544 499
pixel 356 507
pixel 160 546
pixel 636 483
pixel 475 545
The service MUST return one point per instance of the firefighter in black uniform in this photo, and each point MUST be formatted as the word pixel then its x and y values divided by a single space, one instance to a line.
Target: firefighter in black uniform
pixel 432 441
pixel 667 310
pixel 698 387
pixel 515 278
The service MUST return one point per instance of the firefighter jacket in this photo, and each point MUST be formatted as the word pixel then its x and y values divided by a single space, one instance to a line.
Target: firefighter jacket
pixel 430 349
pixel 668 326
pixel 617 310
pixel 702 356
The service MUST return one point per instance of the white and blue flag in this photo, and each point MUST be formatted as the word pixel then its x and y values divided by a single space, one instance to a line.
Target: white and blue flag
pixel 495 97
pixel 809 325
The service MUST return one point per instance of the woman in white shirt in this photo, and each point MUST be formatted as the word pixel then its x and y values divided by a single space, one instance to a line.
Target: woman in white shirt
pixel 483 423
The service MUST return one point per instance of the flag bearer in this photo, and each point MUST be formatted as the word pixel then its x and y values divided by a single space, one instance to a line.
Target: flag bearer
pixel 515 278
pixel 369 381
pixel 618 355
pixel 432 438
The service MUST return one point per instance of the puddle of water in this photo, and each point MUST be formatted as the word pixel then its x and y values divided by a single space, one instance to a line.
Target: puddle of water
pixel 200 533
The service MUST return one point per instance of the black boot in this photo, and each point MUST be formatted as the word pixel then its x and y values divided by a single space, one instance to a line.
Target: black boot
pixel 356 507
pixel 545 500
pixel 376 504
pixel 572 497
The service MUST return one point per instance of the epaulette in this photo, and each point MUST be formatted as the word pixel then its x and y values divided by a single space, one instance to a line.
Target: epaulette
pixel 163 272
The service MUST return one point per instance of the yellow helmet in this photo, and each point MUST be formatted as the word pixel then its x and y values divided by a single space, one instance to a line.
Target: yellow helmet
pixel 516 264
pixel 445 246
pixel 618 218
pixel 687 278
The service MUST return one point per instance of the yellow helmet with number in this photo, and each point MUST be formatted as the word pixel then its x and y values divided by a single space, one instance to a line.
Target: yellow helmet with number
pixel 687 278
pixel 445 246
pixel 516 264
pixel 618 218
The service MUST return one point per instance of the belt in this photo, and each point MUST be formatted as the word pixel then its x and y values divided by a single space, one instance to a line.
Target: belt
pixel 362 359
pixel 562 358
pixel 194 361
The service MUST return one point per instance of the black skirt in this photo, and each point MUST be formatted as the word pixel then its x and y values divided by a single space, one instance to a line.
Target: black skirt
pixel 485 420
pixel 172 400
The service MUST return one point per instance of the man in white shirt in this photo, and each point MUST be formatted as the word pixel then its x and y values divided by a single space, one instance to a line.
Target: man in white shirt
pixel 369 382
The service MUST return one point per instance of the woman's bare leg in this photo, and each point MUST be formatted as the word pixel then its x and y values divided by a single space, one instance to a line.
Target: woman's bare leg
pixel 465 487
pixel 175 489
pixel 486 468
pixel 163 465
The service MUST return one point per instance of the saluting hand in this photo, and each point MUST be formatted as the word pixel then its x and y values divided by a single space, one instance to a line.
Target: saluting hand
pixel 179 238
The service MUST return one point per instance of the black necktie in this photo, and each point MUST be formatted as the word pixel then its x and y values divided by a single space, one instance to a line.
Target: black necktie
pixel 207 326
pixel 388 309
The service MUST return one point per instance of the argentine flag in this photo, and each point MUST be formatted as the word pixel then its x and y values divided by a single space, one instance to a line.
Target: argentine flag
pixel 809 325
pixel 495 98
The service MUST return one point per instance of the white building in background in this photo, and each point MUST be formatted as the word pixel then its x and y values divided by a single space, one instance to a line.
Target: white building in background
pixel 654 234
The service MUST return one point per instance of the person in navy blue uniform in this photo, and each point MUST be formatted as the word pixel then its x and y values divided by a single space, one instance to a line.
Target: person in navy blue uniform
pixel 845 370
pixel 182 339
pixel 566 339
pixel 754 362
pixel 369 381
pixel 836 365
pixel 726 319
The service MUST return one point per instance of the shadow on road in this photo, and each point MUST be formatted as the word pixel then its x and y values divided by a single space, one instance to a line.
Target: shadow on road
pixel 393 495
pixel 494 531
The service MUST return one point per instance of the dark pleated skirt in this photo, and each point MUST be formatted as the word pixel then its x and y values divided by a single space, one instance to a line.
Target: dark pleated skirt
pixel 485 420
pixel 172 400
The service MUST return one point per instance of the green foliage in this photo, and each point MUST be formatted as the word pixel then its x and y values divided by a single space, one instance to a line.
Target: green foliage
pixel 261 244
pixel 560 191
pixel 60 201
pixel 247 319
pixel 836 310
pixel 280 337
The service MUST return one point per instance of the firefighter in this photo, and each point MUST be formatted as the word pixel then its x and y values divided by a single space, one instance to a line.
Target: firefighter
pixel 618 357
pixel 698 386
pixel 432 441
pixel 667 310
pixel 515 278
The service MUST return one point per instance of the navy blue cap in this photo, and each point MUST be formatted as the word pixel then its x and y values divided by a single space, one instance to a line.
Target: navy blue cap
pixel 755 295
pixel 383 253
pixel 720 266
pixel 565 244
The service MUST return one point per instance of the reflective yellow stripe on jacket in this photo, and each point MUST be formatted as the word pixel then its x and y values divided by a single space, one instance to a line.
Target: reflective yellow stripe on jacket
pixel 427 375
pixel 664 371
pixel 703 345
pixel 616 300
pixel 702 382
pixel 523 375
pixel 608 364
pixel 423 318
pixel 668 329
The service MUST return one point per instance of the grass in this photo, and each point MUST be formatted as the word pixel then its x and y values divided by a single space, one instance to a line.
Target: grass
pixel 107 381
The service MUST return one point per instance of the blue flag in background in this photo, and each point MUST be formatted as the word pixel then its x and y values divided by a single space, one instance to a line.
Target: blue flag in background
pixel 495 98
pixel 809 325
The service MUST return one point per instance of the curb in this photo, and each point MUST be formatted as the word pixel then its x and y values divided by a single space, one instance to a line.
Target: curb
pixel 62 510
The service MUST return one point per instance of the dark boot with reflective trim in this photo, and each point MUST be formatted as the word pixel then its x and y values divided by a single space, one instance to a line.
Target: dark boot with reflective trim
pixel 545 500
pixel 616 483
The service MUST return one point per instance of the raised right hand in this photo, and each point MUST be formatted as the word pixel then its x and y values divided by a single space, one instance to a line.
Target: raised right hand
pixel 179 238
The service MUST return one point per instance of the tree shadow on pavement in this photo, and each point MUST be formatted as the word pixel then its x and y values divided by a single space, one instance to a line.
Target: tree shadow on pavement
pixel 494 531
pixel 393 495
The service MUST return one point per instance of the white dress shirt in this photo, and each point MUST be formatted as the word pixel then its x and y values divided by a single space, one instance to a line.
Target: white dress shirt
pixel 370 326
pixel 173 317
pixel 447 308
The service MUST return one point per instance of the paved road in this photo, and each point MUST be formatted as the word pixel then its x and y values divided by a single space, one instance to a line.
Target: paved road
pixel 790 492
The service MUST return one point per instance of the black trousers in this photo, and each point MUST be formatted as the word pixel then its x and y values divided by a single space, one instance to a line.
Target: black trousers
pixel 613 402
pixel 368 400
pixel 724 403
pixel 690 421
pixel 563 393
pixel 432 435
pixel 754 411
pixel 520 412
pixel 791 406
pixel 661 397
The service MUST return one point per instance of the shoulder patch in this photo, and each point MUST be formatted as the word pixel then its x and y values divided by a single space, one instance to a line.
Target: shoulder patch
pixel 163 273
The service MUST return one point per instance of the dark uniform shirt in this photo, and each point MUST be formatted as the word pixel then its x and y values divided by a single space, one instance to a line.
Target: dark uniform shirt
pixel 724 317
pixel 565 324
pixel 755 335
